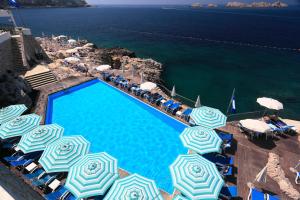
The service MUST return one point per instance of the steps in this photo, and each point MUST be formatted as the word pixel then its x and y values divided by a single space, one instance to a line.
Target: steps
pixel 16 52
pixel 41 79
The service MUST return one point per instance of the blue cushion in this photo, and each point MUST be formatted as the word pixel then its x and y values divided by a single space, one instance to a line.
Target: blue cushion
pixel 56 195
pixel 230 191
pixel 273 197
pixel 257 195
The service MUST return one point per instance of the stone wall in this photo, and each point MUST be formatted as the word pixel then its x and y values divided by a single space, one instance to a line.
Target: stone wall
pixel 6 57
pixel 33 51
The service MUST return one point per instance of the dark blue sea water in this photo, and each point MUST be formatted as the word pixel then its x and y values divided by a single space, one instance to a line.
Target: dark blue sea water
pixel 191 45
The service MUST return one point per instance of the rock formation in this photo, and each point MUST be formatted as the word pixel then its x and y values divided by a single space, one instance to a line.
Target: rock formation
pixel 262 4
pixel 275 171
pixel 14 90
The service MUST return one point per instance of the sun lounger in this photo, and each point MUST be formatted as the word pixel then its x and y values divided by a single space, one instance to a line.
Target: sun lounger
pixel 225 171
pixel 227 139
pixel 57 194
pixel 106 76
pixel 43 180
pixel 255 194
pixel 22 162
pixel 144 93
pixel 131 86
pixel 272 197
pixel 229 192
pixel 219 159
pixel 14 157
pixel 34 174
pixel 280 124
pixel 30 167
pixel 186 114
pixel 174 108
pixel 167 104
pixel 54 185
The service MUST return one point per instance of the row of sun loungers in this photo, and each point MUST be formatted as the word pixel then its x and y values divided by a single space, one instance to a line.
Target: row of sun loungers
pixel 169 106
pixel 31 172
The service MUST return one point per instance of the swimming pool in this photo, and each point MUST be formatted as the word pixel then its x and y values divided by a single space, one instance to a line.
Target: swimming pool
pixel 143 139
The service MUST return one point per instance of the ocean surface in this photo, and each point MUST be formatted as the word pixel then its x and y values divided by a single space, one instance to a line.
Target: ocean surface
pixel 206 52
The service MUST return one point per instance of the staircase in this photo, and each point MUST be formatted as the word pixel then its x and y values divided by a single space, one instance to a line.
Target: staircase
pixel 17 53
pixel 40 79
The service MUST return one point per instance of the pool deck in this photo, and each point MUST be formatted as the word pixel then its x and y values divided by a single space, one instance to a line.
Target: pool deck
pixel 12 187
pixel 251 157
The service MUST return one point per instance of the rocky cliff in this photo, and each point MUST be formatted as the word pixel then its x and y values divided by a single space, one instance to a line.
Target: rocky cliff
pixel 47 3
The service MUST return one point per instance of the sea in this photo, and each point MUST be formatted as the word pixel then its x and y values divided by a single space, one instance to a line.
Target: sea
pixel 207 52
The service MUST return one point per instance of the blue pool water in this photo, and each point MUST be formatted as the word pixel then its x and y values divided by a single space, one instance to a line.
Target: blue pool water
pixel 144 140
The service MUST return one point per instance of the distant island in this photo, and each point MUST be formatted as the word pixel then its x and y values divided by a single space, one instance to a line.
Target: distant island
pixel 198 5
pixel 47 3
pixel 237 4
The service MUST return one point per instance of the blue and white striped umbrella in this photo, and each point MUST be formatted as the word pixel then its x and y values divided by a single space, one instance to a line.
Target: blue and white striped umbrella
pixel 10 112
pixel 196 177
pixel 201 140
pixel 64 153
pixel 92 175
pixel 134 187
pixel 207 117
pixel 40 137
pixel 19 126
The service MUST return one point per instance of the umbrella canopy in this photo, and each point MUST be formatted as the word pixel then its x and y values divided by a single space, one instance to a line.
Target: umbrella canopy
pixel 102 68
pixel 134 187
pixel 88 45
pixel 207 117
pixel 201 140
pixel 72 60
pixel 198 103
pixel 148 86
pixel 255 125
pixel 10 112
pixel 173 92
pixel 40 137
pixel 71 41
pixel 19 126
pixel 196 177
pixel 64 153
pixel 92 175
pixel 270 103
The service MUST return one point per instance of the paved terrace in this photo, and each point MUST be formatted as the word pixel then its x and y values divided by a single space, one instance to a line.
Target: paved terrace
pixel 12 187
pixel 251 157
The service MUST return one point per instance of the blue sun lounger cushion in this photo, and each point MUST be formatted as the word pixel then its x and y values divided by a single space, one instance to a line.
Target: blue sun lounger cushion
pixel 15 157
pixel 229 191
pixel 44 180
pixel 21 162
pixel 257 195
pixel 57 194
pixel 271 197
pixel 167 104
pixel 34 174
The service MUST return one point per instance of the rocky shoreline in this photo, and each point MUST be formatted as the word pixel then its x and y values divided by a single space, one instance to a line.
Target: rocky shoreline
pixel 87 57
